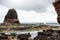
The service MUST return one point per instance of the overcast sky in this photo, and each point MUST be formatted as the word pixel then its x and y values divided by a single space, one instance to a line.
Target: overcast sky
pixel 30 11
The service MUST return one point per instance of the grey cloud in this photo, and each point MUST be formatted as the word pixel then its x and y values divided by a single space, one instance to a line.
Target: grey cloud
pixel 36 5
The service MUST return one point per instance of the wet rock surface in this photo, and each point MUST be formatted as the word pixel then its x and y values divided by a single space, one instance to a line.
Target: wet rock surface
pixel 48 35
pixel 45 35
pixel 11 17
pixel 14 36
pixel 24 36
pixel 57 8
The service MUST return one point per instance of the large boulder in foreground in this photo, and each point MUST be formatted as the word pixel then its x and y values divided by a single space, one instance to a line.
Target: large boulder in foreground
pixel 11 17
pixel 49 34
pixel 57 8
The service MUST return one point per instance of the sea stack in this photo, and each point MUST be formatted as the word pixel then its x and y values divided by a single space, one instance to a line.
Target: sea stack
pixel 57 8
pixel 11 17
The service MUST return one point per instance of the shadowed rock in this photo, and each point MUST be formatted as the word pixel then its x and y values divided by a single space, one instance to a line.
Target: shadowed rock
pixel 11 17
pixel 48 35
pixel 57 8
pixel 24 36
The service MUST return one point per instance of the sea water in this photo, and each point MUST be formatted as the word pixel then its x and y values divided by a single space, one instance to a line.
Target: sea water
pixel 53 24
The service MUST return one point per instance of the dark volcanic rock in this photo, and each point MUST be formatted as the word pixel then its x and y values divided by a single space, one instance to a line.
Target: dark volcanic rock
pixel 24 36
pixel 58 19
pixel 48 35
pixel 11 17
pixel 57 8
pixel 12 14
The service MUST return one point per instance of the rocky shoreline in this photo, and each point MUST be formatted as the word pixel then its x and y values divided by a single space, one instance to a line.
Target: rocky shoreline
pixel 25 27
pixel 49 34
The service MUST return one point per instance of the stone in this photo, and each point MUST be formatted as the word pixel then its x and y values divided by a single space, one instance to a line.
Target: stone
pixel 57 8
pixel 11 17
pixel 24 36
pixel 48 35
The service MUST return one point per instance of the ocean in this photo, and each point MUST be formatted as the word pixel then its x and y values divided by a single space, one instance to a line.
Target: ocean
pixel 53 24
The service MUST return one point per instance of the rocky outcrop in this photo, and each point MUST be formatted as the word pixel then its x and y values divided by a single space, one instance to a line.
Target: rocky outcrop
pixel 57 8
pixel 11 17
pixel 24 36
pixel 48 35
pixel 14 36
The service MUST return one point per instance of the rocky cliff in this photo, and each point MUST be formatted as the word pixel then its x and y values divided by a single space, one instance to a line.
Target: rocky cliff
pixel 57 8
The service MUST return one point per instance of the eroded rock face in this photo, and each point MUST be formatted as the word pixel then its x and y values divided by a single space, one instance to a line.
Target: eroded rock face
pixel 57 8
pixel 11 17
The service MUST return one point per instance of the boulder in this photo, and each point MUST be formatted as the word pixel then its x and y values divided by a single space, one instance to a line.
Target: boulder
pixel 57 8
pixel 11 17
pixel 24 36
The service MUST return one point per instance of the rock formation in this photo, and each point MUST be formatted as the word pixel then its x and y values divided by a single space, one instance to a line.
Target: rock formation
pixel 57 8
pixel 24 36
pixel 11 17
pixel 48 35
pixel 14 36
